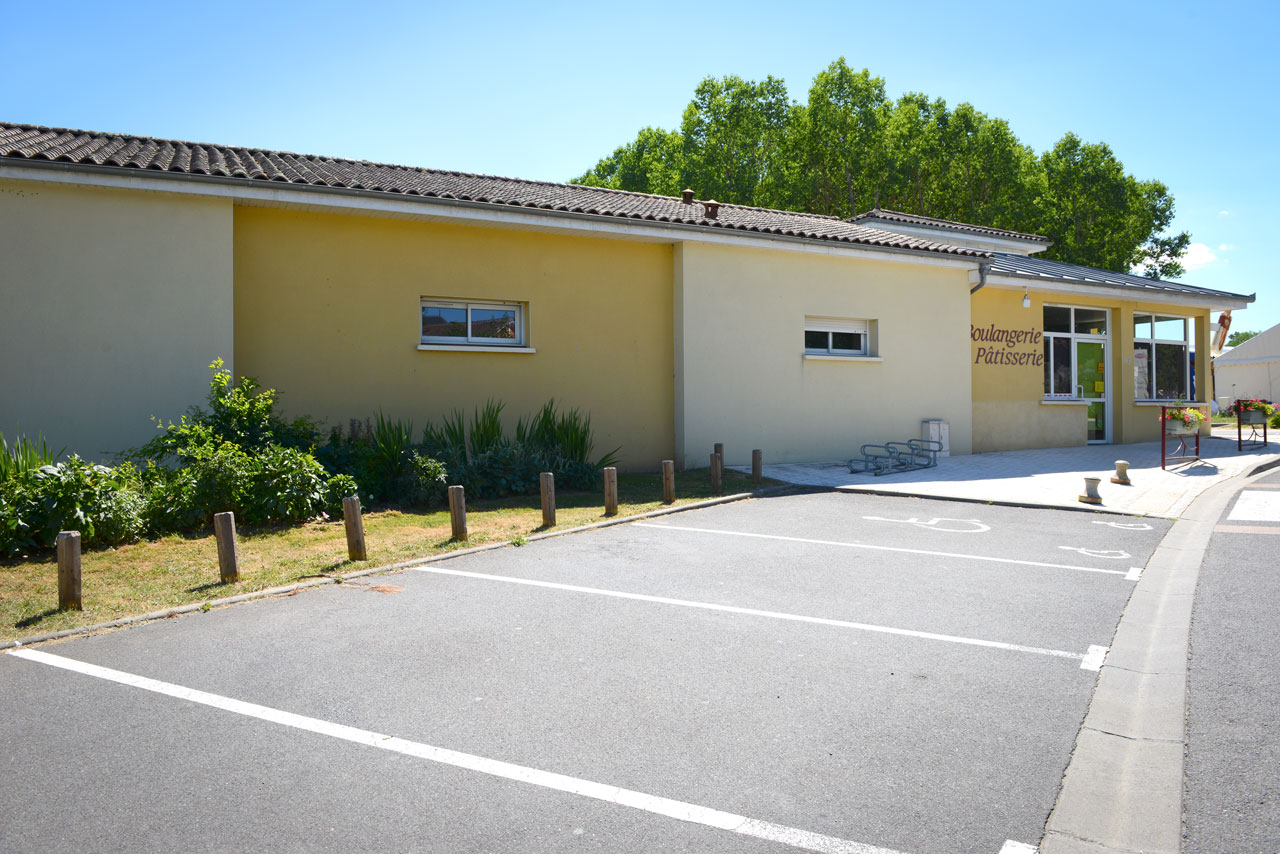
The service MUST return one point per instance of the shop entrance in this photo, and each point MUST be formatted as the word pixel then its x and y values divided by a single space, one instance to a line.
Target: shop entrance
pixel 1091 385
pixel 1076 343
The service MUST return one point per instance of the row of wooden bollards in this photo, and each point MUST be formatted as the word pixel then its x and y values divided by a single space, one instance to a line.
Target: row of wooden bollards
pixel 224 524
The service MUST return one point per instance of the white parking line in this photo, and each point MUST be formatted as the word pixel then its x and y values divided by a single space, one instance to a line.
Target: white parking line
pixel 754 612
pixel 900 549
pixel 680 810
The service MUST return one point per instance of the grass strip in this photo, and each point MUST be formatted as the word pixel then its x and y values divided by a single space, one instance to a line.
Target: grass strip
pixel 183 569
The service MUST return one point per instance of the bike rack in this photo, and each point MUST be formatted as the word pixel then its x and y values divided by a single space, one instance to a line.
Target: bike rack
pixel 896 457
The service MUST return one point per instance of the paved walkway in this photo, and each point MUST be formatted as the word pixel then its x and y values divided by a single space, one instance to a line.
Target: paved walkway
pixel 1054 477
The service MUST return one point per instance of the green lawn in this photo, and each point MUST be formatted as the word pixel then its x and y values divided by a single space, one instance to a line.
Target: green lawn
pixel 179 570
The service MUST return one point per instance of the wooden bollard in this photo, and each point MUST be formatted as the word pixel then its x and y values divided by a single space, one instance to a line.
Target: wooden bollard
pixel 354 522
pixel 717 474
pixel 668 481
pixel 68 544
pixel 757 465
pixel 224 531
pixel 547 481
pixel 610 491
pixel 458 512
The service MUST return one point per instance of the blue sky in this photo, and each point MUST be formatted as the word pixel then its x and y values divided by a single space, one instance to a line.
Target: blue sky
pixel 1181 91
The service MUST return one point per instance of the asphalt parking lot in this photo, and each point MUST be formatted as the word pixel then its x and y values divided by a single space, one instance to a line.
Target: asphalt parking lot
pixel 825 672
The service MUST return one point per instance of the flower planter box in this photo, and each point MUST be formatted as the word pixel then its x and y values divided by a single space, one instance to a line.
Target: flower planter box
pixel 1178 427
pixel 1253 416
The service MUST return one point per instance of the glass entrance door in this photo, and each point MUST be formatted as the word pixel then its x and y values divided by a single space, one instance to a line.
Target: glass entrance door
pixel 1091 385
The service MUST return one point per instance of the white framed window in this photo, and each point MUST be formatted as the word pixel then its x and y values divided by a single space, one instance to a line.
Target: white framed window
pixel 826 336
pixel 472 324
pixel 1162 357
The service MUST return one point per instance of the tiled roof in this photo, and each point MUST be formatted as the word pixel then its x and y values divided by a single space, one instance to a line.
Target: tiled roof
pixel 113 152
pixel 913 219
pixel 1043 269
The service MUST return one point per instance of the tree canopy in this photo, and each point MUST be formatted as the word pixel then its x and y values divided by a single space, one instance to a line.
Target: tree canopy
pixel 1238 338
pixel 851 148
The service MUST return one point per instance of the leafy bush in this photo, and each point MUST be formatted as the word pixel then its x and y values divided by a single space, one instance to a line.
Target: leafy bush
pixel 339 487
pixel 430 479
pixel 243 414
pixel 103 504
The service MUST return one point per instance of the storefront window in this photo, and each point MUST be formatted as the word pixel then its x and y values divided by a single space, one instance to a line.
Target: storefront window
pixel 1161 357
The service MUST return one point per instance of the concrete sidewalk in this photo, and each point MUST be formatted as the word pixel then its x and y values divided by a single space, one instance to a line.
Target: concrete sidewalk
pixel 1054 477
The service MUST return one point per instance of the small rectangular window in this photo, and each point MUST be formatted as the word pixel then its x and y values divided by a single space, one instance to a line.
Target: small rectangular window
pixel 472 323
pixel 836 336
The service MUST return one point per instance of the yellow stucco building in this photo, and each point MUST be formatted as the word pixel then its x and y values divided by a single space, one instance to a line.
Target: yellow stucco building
pixel 352 287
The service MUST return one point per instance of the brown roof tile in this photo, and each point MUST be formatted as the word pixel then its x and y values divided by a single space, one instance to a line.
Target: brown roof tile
pixel 101 150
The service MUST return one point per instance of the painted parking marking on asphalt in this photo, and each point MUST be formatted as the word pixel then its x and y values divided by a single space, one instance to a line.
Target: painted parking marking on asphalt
pixel 680 810
pixel 1244 529
pixel 1099 553
pixel 900 549
pixel 1124 526
pixel 1084 659
pixel 1256 506
pixel 951 526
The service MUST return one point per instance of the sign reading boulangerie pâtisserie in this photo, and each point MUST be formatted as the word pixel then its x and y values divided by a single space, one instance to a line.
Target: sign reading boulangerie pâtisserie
pixel 1007 346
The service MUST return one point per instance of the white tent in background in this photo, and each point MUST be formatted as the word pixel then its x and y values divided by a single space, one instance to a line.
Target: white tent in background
pixel 1250 370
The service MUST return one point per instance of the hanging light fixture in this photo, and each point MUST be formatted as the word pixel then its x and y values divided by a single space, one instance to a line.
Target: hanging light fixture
pixel 1026 298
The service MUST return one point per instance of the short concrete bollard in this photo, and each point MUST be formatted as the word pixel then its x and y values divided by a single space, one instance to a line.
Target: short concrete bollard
pixel 458 512
pixel 1122 473
pixel 224 531
pixel 1091 495
pixel 68 544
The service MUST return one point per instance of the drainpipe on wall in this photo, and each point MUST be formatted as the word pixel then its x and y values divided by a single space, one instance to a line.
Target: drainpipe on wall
pixel 983 269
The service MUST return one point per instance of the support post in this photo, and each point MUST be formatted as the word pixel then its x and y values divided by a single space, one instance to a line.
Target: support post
pixel 458 512
pixel 547 481
pixel 717 474
pixel 224 531
pixel 611 491
pixel 668 481
pixel 718 448
pixel 354 522
pixel 68 544
pixel 757 465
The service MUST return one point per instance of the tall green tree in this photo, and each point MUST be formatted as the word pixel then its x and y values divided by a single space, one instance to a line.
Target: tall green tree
pixel 731 134
pixel 849 148
pixel 651 163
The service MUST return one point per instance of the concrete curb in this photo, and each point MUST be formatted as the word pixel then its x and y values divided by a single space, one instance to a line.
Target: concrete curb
pixel 1122 792
pixel 290 589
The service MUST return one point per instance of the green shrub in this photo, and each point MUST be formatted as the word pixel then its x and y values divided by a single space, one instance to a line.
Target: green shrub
pixel 103 504
pixel 25 455
pixel 284 485
pixel 243 414
pixel 429 479
pixel 339 487
pixel 501 471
